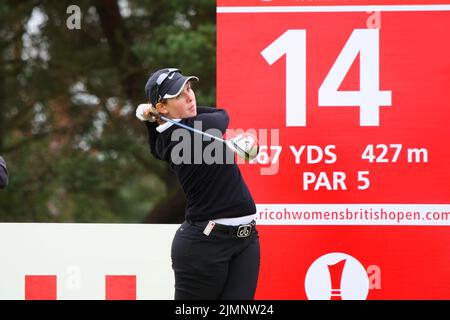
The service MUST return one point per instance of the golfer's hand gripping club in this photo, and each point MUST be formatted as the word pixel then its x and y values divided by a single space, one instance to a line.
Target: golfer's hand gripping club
pixel 244 145
pixel 147 112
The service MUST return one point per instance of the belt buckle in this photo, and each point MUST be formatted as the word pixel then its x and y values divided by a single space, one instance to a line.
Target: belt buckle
pixel 244 231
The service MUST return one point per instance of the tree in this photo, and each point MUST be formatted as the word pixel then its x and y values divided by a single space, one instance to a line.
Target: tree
pixel 67 97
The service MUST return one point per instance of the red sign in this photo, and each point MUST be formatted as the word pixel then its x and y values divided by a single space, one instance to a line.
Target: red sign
pixel 40 287
pixel 120 287
pixel 351 107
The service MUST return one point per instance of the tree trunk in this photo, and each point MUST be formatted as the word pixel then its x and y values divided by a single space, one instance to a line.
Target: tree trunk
pixel 131 72
pixel 132 77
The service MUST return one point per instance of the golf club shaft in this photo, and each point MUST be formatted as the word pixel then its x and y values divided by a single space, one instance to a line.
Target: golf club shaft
pixel 191 129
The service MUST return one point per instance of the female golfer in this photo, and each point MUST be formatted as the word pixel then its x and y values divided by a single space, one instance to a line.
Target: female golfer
pixel 215 252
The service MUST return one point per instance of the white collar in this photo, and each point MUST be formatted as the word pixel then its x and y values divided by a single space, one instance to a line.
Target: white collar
pixel 163 127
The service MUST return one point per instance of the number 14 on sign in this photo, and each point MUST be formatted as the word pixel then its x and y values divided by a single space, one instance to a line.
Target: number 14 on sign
pixel 369 98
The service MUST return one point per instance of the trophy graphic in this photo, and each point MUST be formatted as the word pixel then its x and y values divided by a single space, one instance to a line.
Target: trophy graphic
pixel 335 271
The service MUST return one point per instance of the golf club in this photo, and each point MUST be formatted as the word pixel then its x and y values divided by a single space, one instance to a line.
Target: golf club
pixel 245 145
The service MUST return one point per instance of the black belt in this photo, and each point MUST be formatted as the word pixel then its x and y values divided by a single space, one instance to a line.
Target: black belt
pixel 240 231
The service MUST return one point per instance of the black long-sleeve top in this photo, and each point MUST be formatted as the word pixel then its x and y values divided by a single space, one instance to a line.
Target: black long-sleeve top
pixel 213 190
pixel 3 173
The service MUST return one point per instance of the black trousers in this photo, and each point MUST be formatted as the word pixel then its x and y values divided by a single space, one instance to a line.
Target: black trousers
pixel 218 266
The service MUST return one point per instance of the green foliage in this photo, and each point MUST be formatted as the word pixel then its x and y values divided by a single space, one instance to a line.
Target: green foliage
pixel 191 51
pixel 74 149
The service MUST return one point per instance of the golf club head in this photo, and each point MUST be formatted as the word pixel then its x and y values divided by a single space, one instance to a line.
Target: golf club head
pixel 245 145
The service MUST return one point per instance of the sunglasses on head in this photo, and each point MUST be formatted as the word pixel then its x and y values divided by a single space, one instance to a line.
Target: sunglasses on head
pixel 159 81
